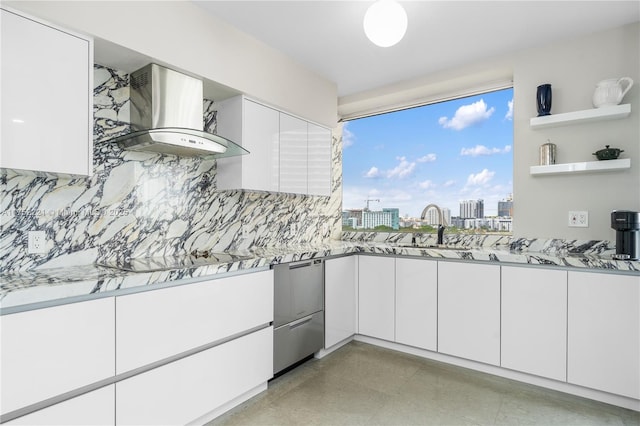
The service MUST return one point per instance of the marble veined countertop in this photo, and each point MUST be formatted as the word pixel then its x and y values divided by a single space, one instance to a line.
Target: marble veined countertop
pixel 47 287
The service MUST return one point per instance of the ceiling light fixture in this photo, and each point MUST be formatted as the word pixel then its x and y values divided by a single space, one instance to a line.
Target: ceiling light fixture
pixel 385 23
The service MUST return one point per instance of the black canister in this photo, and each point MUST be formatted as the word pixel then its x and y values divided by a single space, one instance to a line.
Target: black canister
pixel 627 226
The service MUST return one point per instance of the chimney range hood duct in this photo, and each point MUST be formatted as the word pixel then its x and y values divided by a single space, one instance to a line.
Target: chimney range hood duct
pixel 167 116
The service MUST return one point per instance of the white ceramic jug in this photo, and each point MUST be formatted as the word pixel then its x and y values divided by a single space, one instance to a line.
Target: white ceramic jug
pixel 609 92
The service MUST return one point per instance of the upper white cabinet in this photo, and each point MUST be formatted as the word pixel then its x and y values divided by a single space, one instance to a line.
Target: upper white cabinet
pixel 534 321
pixel 47 352
pixel 469 311
pixel 376 294
pixel 417 303
pixel 46 91
pixel 604 332
pixel 340 278
pixel 286 153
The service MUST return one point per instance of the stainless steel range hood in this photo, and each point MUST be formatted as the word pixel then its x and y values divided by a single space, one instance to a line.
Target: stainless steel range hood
pixel 167 116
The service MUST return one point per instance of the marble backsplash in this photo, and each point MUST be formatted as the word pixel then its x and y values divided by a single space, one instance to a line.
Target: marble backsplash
pixel 140 204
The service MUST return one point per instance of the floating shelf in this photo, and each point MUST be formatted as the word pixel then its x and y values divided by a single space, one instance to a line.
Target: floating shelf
pixel 584 167
pixel 586 116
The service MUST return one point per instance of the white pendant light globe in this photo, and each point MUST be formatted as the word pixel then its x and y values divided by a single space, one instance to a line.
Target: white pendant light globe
pixel 385 23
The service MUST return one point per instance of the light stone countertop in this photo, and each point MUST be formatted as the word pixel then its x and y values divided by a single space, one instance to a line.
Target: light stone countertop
pixel 48 287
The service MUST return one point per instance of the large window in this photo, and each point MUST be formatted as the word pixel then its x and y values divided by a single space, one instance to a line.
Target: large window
pixel 454 155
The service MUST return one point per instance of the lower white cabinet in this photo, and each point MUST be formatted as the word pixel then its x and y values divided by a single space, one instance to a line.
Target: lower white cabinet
pixel 416 300
pixel 604 332
pixel 469 311
pixel 93 408
pixel 158 324
pixel 185 390
pixel 47 352
pixel 340 277
pixel 376 295
pixel 534 321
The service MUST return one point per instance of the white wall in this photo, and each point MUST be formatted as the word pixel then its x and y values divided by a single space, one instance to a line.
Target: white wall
pixel 182 35
pixel 573 68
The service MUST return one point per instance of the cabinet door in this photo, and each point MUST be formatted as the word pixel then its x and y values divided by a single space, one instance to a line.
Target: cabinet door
pixel 187 389
pixel 376 293
pixel 256 127
pixel 534 321
pixel 319 160
pixel 177 319
pixel 469 311
pixel 46 94
pixel 293 154
pixel 604 332
pixel 93 408
pixel 340 277
pixel 417 303
pixel 47 352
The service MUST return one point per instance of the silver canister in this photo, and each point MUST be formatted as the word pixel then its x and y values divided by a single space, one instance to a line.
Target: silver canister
pixel 547 154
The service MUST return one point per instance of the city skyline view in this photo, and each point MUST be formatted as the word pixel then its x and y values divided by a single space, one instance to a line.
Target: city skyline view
pixel 440 154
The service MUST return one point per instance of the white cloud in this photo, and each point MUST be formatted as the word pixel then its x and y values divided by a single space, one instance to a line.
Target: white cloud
pixel 483 150
pixel 427 184
pixel 467 115
pixel 449 183
pixel 372 173
pixel 509 114
pixel 429 158
pixel 481 178
pixel 348 138
pixel 402 170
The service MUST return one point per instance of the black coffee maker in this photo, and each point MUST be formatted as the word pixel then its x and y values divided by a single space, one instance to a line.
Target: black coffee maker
pixel 627 226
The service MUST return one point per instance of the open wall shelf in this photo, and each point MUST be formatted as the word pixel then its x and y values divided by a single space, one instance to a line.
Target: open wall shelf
pixel 584 167
pixel 586 116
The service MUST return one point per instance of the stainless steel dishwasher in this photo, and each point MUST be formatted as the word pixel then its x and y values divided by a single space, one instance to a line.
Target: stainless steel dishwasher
pixel 298 312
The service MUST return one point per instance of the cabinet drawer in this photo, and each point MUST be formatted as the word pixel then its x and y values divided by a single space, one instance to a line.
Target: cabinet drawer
pixel 47 352
pixel 185 390
pixel 295 341
pixel 158 324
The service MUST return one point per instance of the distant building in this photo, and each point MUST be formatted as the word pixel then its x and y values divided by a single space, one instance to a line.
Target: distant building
pixel 472 209
pixel 505 207
pixel 352 218
pixel 386 217
pixel 432 217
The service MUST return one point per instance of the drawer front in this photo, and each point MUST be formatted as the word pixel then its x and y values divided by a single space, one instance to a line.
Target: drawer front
pixel 47 352
pixel 297 340
pixel 158 324
pixel 183 391
pixel 298 290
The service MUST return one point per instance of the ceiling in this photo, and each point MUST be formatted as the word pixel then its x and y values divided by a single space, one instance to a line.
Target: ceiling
pixel 327 36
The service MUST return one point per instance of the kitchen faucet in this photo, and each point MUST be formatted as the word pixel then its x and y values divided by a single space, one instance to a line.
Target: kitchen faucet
pixel 440 219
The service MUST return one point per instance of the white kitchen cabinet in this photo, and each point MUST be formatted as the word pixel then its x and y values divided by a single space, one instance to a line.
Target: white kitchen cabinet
pixel 604 332
pixel 469 311
pixel 376 297
pixel 94 408
pixel 185 390
pixel 46 92
pixel 257 128
pixel 50 351
pixel 158 324
pixel 534 321
pixel 287 154
pixel 319 160
pixel 416 303
pixel 293 154
pixel 340 278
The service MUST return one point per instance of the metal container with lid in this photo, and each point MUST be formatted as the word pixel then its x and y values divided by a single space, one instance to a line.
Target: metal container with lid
pixel 547 153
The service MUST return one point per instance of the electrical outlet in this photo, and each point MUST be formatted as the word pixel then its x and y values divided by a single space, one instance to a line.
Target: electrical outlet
pixel 579 219
pixel 37 240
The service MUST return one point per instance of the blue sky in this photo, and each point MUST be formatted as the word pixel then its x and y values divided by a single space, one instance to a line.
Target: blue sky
pixel 441 153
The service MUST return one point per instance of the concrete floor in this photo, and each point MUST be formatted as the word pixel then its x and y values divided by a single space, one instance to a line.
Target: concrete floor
pixel 361 384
